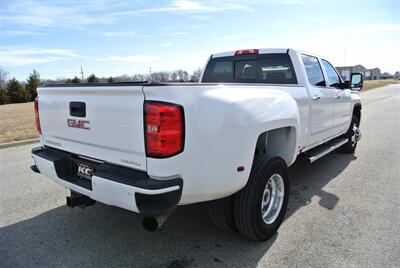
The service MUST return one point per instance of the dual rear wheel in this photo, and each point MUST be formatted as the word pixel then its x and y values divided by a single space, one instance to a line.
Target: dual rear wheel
pixel 258 209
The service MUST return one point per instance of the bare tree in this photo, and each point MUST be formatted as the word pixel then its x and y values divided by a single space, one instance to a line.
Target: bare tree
pixel 195 77
pixel 174 76
pixel 140 77
pixel 3 79
pixel 179 74
pixel 185 76
pixel 160 76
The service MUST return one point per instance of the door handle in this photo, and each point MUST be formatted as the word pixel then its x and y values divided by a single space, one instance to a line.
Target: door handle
pixel 315 97
pixel 337 97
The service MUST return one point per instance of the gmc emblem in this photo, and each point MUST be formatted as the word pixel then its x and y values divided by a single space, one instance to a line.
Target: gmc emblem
pixel 83 124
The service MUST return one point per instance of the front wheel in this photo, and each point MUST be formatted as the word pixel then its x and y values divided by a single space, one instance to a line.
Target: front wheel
pixel 261 205
pixel 353 135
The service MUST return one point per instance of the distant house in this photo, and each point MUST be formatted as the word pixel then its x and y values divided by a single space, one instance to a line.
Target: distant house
pixel 369 74
pixel 345 71
pixel 373 74
pixel 385 76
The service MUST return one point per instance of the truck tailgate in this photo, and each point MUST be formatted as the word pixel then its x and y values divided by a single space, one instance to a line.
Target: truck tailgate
pixel 102 122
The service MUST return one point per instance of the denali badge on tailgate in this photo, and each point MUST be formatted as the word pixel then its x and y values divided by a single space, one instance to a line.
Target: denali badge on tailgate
pixel 83 124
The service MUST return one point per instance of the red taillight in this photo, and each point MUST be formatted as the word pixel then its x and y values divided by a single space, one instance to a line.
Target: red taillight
pixel 246 52
pixel 164 129
pixel 37 120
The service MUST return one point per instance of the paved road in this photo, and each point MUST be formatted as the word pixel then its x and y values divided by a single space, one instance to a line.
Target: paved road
pixel 344 211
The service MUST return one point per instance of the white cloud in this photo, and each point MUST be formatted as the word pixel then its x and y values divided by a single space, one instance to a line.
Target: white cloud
pixel 289 2
pixel 11 61
pixel 129 58
pixel 387 27
pixel 294 2
pixel 165 44
pixel 188 6
pixel 40 51
pixel 177 33
pixel 114 34
pixel 48 14
pixel 133 34
pixel 79 14
pixel 233 36
pixel 28 56
pixel 18 32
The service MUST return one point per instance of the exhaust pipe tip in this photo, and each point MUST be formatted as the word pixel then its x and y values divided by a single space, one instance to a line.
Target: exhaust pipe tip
pixel 151 224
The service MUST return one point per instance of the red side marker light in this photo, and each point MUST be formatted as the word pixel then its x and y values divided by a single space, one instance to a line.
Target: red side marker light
pixel 37 118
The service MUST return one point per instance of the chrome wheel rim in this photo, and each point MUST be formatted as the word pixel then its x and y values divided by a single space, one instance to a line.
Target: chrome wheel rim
pixel 272 199
pixel 356 134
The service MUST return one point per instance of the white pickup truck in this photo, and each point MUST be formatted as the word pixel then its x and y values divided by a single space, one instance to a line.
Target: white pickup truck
pixel 149 147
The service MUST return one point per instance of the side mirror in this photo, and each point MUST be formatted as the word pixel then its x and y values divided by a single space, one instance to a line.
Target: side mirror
pixel 346 84
pixel 356 81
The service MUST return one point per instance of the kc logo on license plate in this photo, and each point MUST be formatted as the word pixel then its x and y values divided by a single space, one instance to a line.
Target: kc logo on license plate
pixel 85 171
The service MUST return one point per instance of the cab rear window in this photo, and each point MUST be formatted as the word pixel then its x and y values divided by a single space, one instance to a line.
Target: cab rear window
pixel 262 68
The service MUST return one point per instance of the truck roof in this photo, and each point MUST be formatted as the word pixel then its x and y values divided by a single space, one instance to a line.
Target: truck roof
pixel 260 51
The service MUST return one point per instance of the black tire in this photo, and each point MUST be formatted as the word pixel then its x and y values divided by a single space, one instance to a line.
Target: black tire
pixel 349 147
pixel 247 209
pixel 221 213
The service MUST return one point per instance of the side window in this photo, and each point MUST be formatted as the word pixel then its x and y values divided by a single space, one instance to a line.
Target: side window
pixel 333 77
pixel 219 71
pixel 314 71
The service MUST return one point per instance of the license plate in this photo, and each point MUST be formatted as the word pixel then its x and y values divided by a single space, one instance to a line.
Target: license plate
pixel 84 171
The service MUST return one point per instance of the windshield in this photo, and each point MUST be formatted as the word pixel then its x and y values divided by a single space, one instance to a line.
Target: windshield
pixel 263 68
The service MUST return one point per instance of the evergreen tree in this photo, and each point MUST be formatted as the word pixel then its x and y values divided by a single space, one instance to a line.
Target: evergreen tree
pixel 110 79
pixel 92 79
pixel 33 82
pixel 75 80
pixel 16 92
pixel 3 96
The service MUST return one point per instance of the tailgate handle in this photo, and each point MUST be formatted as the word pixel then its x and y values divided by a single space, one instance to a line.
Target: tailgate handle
pixel 77 108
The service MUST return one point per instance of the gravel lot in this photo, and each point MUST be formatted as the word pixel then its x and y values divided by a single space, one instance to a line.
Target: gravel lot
pixel 344 211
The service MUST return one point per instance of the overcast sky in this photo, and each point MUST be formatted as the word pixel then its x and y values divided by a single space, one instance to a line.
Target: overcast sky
pixel 112 38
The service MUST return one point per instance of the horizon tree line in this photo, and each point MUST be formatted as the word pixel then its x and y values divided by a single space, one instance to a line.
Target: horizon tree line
pixel 14 91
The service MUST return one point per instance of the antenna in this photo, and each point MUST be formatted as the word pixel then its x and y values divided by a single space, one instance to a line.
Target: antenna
pixel 82 73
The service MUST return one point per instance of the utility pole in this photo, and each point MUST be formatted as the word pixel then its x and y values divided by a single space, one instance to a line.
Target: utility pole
pixel 82 73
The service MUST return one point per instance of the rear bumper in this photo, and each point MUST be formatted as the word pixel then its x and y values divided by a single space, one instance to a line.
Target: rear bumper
pixel 110 184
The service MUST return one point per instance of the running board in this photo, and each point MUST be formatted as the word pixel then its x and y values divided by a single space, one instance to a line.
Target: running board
pixel 325 149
